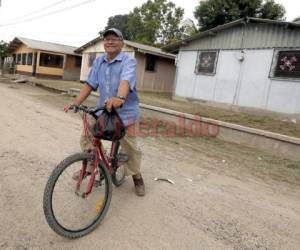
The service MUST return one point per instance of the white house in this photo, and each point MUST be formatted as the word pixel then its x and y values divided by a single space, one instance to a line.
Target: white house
pixel 249 62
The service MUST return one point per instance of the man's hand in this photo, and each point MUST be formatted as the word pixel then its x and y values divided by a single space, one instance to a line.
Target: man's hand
pixel 68 107
pixel 84 93
pixel 113 102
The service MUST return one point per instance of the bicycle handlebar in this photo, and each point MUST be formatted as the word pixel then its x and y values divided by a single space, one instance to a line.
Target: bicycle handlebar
pixel 90 110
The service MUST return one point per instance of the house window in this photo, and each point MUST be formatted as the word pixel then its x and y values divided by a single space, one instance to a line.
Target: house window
pixel 150 62
pixel 206 62
pixel 92 57
pixel 287 64
pixel 29 59
pixel 50 60
pixel 78 61
pixel 24 58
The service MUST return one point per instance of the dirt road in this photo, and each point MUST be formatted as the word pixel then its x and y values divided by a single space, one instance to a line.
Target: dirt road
pixel 224 197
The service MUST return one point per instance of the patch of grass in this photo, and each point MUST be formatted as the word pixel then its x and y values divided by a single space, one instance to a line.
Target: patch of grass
pixel 260 121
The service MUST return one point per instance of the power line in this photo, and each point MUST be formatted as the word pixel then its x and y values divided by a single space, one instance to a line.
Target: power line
pixel 48 14
pixel 38 10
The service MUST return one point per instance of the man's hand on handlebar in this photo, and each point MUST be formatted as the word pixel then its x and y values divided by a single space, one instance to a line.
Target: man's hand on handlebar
pixel 70 106
pixel 113 102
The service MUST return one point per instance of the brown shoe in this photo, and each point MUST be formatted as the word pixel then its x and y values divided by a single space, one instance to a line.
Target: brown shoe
pixel 139 185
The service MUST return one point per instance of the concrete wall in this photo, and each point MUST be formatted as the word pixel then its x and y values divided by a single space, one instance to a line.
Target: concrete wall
pixel 244 83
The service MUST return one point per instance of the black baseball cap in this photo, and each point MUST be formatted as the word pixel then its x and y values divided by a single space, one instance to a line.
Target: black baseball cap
pixel 114 31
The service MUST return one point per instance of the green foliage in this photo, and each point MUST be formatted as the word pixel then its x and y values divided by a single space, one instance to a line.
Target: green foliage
pixel 271 10
pixel 156 23
pixel 3 49
pixel 211 13
pixel 119 22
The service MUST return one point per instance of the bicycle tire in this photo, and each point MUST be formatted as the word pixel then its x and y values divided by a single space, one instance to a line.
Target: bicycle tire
pixel 47 199
pixel 118 181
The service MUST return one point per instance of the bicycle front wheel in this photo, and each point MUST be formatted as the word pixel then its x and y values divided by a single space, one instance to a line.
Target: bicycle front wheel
pixel 69 211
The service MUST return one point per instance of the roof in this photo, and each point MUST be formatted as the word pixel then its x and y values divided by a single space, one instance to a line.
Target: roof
pixel 139 46
pixel 41 45
pixel 175 46
pixel 149 49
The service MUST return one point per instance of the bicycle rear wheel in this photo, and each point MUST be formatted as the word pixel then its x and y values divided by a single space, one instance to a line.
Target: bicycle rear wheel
pixel 68 211
pixel 118 176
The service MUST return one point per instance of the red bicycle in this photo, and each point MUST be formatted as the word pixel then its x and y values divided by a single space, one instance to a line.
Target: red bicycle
pixel 75 208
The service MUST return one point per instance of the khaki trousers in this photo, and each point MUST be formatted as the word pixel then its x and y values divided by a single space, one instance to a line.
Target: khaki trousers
pixel 128 146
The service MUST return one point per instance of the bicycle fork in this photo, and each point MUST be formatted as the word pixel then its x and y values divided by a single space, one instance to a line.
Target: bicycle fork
pixel 92 178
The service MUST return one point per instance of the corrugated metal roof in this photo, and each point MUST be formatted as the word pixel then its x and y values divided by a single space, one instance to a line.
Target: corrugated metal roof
pixel 140 47
pixel 149 49
pixel 247 33
pixel 46 46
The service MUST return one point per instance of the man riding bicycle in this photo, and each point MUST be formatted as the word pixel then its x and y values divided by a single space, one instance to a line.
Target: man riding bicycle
pixel 114 73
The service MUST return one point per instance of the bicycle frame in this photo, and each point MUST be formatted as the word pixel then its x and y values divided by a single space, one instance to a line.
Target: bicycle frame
pixel 110 163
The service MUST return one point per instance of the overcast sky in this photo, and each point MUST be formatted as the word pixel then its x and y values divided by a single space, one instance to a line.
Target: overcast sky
pixel 79 21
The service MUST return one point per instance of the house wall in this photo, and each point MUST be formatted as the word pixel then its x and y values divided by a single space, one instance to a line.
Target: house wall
pixel 161 80
pixel 244 83
pixel 71 71
pixel 85 69
pixel 68 72
pixel 48 71
pixel 25 69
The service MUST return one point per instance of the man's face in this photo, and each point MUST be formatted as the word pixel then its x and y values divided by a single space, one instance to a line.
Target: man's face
pixel 112 44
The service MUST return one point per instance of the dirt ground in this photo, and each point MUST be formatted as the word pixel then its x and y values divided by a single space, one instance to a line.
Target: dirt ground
pixel 225 196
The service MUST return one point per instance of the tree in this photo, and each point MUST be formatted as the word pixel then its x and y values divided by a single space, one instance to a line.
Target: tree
pixel 3 51
pixel 119 22
pixel 211 13
pixel 272 10
pixel 156 22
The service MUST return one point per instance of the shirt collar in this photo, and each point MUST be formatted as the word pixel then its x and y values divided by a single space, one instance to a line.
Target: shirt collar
pixel 119 57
